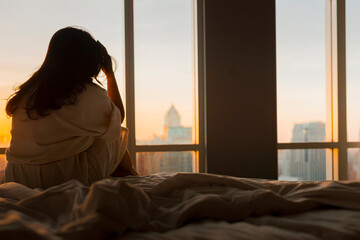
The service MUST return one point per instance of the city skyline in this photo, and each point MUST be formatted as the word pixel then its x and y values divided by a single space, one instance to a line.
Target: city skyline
pixel 174 133
pixel 293 164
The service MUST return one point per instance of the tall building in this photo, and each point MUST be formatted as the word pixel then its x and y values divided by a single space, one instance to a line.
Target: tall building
pixel 308 132
pixel 172 118
pixel 354 163
pixel 304 164
pixel 174 133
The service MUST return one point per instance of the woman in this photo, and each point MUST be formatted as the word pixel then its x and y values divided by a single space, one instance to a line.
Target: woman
pixel 64 126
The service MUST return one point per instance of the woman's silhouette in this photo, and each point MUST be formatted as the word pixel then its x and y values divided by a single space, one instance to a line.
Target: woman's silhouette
pixel 64 126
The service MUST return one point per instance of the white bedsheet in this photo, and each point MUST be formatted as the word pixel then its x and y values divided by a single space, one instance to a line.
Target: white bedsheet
pixel 182 206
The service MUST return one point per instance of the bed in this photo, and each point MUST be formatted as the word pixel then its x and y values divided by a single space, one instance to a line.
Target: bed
pixel 182 206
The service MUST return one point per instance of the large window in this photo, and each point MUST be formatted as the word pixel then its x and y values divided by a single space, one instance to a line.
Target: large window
pixel 353 85
pixel 318 82
pixel 158 48
pixel 300 36
pixel 164 79
pixel 301 91
pixel 164 121
pixel 155 45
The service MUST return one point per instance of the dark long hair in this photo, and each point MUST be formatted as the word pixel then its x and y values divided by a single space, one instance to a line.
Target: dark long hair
pixel 73 60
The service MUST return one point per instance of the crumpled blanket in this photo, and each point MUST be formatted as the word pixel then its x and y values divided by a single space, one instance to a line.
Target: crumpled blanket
pixel 111 207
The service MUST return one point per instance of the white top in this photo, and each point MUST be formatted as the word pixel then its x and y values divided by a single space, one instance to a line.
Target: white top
pixel 65 132
pixel 84 141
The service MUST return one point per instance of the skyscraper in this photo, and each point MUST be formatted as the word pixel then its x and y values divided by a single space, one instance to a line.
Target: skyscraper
pixel 305 164
pixel 354 162
pixel 174 133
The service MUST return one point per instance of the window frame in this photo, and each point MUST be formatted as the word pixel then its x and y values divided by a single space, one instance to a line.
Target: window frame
pixel 199 85
pixel 336 128
pixel 199 122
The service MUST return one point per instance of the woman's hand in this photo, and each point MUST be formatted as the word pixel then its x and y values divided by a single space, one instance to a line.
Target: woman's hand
pixel 106 64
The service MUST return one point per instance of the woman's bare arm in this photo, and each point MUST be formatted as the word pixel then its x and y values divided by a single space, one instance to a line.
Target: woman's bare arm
pixel 112 88
pixel 114 94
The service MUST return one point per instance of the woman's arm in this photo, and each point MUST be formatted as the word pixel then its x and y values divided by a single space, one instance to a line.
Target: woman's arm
pixel 125 168
pixel 112 88
pixel 114 94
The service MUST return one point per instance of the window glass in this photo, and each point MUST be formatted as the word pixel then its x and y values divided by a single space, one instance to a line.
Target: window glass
pixel 156 162
pixel 304 165
pixel 164 71
pixel 353 69
pixel 301 89
pixel 354 163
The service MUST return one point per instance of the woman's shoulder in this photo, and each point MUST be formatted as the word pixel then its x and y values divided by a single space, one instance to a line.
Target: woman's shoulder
pixel 93 92
pixel 93 88
pixel 94 96
pixel 92 104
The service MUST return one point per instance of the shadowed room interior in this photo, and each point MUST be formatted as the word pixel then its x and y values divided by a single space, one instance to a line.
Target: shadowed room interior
pixel 234 174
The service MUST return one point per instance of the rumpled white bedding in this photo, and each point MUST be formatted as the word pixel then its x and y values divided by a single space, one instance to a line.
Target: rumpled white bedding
pixel 182 206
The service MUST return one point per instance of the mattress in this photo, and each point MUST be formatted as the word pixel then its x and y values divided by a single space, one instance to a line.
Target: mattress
pixel 182 206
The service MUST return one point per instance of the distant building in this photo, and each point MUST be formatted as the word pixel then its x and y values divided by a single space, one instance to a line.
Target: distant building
pixel 174 133
pixel 172 118
pixel 309 132
pixel 354 163
pixel 304 164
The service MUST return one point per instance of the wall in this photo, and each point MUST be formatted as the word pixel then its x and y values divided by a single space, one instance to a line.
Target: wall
pixel 241 88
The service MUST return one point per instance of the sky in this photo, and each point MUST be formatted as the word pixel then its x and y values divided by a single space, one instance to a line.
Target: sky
pixel 163 34
pixel 301 89
pixel 300 39
pixel 163 45
pixel 353 68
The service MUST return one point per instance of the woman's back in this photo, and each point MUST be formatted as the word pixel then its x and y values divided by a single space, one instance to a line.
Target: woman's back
pixel 53 149
pixel 66 131
pixel 64 126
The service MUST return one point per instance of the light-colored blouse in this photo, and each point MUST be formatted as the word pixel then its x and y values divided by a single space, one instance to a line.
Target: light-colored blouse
pixel 84 141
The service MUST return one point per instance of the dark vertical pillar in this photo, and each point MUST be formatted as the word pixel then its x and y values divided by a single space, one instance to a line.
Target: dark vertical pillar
pixel 241 87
